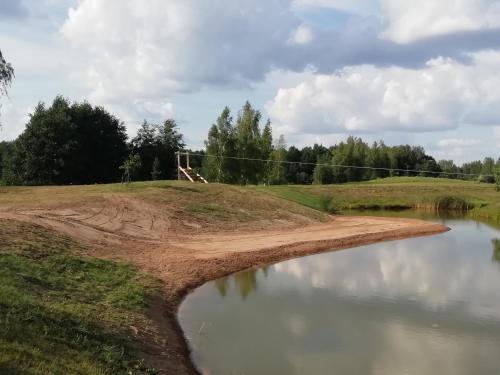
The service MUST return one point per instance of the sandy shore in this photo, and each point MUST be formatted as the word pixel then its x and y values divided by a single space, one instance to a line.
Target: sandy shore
pixel 186 259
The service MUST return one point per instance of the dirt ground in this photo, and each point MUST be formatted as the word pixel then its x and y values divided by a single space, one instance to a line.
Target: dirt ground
pixel 186 254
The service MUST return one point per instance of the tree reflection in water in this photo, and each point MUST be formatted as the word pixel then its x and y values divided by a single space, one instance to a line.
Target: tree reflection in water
pixel 245 281
pixel 496 250
pixel 222 285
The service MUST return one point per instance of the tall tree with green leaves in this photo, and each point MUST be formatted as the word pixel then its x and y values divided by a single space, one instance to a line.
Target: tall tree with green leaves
pixel 378 157
pixel 67 143
pixel 156 172
pixel 488 170
pixel 220 148
pixel 323 171
pixel 6 75
pixel 497 178
pixel 248 144
pixel 277 172
pixel 267 150
pixel 130 168
pixel 157 141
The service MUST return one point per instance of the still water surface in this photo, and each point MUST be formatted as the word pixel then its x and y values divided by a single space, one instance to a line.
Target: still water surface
pixel 427 305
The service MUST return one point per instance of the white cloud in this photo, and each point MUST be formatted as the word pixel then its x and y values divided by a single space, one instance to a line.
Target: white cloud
pixel 460 149
pixel 302 35
pixel 411 20
pixel 407 21
pixel 456 142
pixel 496 135
pixel 12 119
pixel 361 7
pixel 442 95
pixel 177 45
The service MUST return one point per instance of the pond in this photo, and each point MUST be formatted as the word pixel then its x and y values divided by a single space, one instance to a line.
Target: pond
pixel 428 305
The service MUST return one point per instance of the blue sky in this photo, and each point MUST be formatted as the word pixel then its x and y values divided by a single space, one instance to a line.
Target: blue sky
pixel 406 72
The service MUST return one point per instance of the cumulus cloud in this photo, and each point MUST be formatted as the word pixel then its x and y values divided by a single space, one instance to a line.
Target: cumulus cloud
pixel 496 135
pixel 457 142
pixel 460 149
pixel 360 7
pixel 301 35
pixel 178 45
pixel 183 45
pixel 442 95
pixel 410 20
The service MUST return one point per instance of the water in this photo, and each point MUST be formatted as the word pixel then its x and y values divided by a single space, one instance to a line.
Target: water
pixel 427 305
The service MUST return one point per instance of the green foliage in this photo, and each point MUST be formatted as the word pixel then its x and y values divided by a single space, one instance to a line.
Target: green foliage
pixel 156 172
pixel 323 172
pixel 67 143
pixel 327 204
pixel 228 143
pixel 221 145
pixel 452 203
pixel 60 313
pixel 276 169
pixel 497 176
pixel 154 141
pixel 352 160
pixel 248 145
pixel 351 153
pixel 130 167
pixel 5 149
pixel 6 75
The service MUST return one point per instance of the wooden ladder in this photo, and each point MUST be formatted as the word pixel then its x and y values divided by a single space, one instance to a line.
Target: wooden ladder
pixel 187 173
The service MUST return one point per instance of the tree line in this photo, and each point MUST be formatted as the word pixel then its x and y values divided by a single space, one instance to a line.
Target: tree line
pixel 77 143
pixel 231 141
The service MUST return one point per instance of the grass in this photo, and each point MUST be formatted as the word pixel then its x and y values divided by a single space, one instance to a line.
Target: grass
pixel 478 199
pixel 216 204
pixel 208 204
pixel 65 314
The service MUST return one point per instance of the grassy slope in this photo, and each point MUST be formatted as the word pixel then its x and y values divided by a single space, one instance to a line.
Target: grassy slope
pixel 213 205
pixel 412 192
pixel 65 314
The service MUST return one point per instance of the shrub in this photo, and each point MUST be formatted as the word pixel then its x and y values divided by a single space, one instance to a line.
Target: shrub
pixel 327 204
pixel 451 203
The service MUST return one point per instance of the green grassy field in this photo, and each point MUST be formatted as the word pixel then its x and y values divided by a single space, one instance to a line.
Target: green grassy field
pixel 421 193
pixel 65 314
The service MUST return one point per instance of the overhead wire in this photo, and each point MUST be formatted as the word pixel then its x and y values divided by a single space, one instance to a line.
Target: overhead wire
pixel 343 166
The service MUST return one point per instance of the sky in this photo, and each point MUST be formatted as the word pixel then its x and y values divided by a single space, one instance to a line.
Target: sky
pixel 407 72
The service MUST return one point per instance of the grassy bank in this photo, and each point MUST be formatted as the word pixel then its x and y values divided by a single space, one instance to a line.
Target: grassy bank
pixel 478 199
pixel 209 205
pixel 61 313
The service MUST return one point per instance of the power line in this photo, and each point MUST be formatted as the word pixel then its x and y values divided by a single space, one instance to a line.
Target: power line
pixel 343 166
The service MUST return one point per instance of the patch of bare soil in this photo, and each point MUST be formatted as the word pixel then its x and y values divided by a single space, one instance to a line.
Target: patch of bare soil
pixel 185 256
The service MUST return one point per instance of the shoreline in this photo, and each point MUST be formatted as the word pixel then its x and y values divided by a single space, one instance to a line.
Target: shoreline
pixel 234 262
pixel 186 259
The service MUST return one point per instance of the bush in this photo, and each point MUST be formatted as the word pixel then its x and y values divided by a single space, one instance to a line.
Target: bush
pixel 450 203
pixel 486 179
pixel 327 204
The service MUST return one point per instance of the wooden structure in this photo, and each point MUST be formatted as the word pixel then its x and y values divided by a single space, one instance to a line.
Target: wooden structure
pixel 187 173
